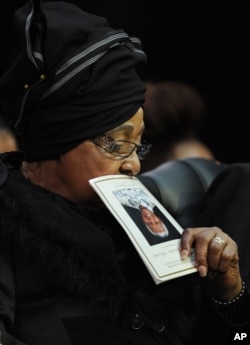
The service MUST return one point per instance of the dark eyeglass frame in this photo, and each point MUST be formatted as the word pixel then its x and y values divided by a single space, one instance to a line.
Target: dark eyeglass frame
pixel 108 144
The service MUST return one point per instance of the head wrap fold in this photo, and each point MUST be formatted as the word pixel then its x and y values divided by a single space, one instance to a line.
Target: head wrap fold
pixel 76 78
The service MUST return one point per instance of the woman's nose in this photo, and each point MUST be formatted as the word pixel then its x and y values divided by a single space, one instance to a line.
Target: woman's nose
pixel 131 165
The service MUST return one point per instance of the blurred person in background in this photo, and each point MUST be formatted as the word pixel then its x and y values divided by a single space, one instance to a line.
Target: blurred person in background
pixel 8 141
pixel 174 112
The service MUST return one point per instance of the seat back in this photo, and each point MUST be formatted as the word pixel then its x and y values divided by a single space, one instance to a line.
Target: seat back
pixel 180 185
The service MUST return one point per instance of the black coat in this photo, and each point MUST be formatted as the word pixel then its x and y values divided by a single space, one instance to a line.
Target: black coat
pixel 70 276
pixel 227 205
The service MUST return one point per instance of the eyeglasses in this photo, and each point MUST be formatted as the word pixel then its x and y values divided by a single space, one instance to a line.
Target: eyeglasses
pixel 121 148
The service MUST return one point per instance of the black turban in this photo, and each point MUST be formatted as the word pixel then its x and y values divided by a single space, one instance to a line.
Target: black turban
pixel 75 79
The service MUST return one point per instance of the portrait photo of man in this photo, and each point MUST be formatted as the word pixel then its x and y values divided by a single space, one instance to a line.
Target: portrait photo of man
pixel 155 227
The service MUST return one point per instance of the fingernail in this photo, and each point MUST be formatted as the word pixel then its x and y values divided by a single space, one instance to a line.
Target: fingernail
pixel 202 271
pixel 184 254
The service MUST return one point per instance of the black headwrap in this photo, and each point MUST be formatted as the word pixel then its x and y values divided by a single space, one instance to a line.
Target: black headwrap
pixel 75 79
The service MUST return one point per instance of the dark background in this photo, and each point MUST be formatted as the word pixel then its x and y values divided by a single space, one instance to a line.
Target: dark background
pixel 203 43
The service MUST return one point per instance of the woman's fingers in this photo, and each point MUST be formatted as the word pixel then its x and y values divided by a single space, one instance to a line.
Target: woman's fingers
pixel 214 249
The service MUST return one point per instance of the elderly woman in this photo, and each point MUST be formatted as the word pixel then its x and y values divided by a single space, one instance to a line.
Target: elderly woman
pixel 69 274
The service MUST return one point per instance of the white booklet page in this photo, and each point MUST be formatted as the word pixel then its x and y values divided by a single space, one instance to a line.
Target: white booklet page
pixel 153 231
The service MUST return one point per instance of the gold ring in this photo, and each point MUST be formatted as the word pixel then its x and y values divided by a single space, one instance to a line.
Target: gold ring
pixel 220 241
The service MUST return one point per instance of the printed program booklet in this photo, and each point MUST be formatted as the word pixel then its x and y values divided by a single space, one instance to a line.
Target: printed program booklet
pixel 141 215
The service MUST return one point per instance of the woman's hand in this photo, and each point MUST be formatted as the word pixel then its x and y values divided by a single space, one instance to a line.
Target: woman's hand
pixel 216 257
